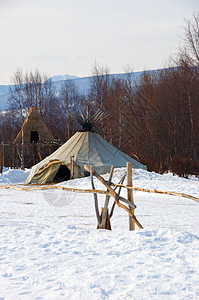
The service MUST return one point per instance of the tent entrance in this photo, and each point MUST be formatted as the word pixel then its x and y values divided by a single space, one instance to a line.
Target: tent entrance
pixel 62 174
pixel 34 137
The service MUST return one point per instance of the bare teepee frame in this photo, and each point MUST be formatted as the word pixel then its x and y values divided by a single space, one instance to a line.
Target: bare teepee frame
pixel 88 119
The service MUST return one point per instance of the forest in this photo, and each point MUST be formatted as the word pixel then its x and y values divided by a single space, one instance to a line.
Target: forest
pixel 153 119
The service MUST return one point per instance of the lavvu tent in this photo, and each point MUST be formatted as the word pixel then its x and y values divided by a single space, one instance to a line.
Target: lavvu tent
pixel 82 148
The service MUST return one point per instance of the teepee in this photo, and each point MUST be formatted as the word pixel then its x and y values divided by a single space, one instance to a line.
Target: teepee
pixel 84 147
pixel 34 129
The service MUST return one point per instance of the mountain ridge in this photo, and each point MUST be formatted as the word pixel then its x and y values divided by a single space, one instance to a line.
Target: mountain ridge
pixel 82 84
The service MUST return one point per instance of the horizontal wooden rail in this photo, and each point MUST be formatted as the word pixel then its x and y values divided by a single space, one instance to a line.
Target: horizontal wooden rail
pixel 55 187
pixel 157 191
pixel 50 186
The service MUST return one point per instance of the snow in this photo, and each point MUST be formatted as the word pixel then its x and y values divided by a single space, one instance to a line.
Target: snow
pixel 10 176
pixel 63 77
pixel 50 248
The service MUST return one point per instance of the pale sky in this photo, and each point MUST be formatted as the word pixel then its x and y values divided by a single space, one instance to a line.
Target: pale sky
pixel 60 37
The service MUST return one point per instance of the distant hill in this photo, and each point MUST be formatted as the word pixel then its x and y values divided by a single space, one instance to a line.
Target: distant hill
pixel 82 84
pixel 63 77
pixel 4 94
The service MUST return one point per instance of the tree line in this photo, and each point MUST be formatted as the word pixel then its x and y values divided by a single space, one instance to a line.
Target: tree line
pixel 153 118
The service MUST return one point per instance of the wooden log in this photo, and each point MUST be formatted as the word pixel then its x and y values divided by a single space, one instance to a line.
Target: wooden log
pixel 113 206
pixel 108 223
pixel 95 197
pixel 113 193
pixel 157 191
pixel 38 151
pixel 168 193
pixel 52 186
pixel 13 156
pixel 1 162
pixel 130 193
pixel 22 151
pixel 18 152
pixel 104 221
pixel 72 166
pixel 55 187
pixel 131 204
pixel 3 156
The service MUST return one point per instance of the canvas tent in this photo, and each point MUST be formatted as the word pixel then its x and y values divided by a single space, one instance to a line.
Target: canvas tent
pixel 82 148
pixel 34 129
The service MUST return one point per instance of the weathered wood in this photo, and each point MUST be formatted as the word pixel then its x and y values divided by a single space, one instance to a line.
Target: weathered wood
pixel 18 152
pixel 13 156
pixel 95 197
pixel 113 206
pixel 131 204
pixel 38 151
pixel 1 162
pixel 22 150
pixel 57 188
pixel 2 156
pixel 157 191
pixel 113 193
pixel 130 193
pixel 50 150
pixel 72 164
pixel 168 193
pixel 122 186
pixel 103 223
pixel 47 187
pixel 52 186
pixel 108 223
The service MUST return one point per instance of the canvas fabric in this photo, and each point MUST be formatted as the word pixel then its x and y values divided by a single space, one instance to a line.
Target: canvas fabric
pixel 46 174
pixel 87 148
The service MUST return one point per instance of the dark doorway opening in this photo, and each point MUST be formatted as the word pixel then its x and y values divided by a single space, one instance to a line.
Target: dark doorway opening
pixel 34 137
pixel 63 174
pixel 86 173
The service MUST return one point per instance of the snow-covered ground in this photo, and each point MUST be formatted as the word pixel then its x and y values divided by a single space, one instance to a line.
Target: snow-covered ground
pixel 50 248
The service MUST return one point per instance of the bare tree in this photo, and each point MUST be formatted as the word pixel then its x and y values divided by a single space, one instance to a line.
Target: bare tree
pixel 99 91
pixel 34 89
pixel 30 89
pixel 70 105
pixel 16 97
pixel 189 52
pixel 9 126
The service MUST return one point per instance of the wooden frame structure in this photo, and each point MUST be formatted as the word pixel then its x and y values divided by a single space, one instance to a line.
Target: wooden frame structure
pixel 25 156
pixel 104 219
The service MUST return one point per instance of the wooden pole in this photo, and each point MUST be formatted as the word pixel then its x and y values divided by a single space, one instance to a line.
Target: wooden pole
pixel 13 156
pixel 130 194
pixel 72 166
pixel 104 222
pixel 1 162
pixel 38 151
pixel 22 151
pixel 116 196
pixel 3 157
pixel 57 187
pixel 95 196
pixel 113 206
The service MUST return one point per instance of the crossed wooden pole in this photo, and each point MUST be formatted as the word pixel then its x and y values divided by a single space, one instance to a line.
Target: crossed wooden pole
pixel 104 218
